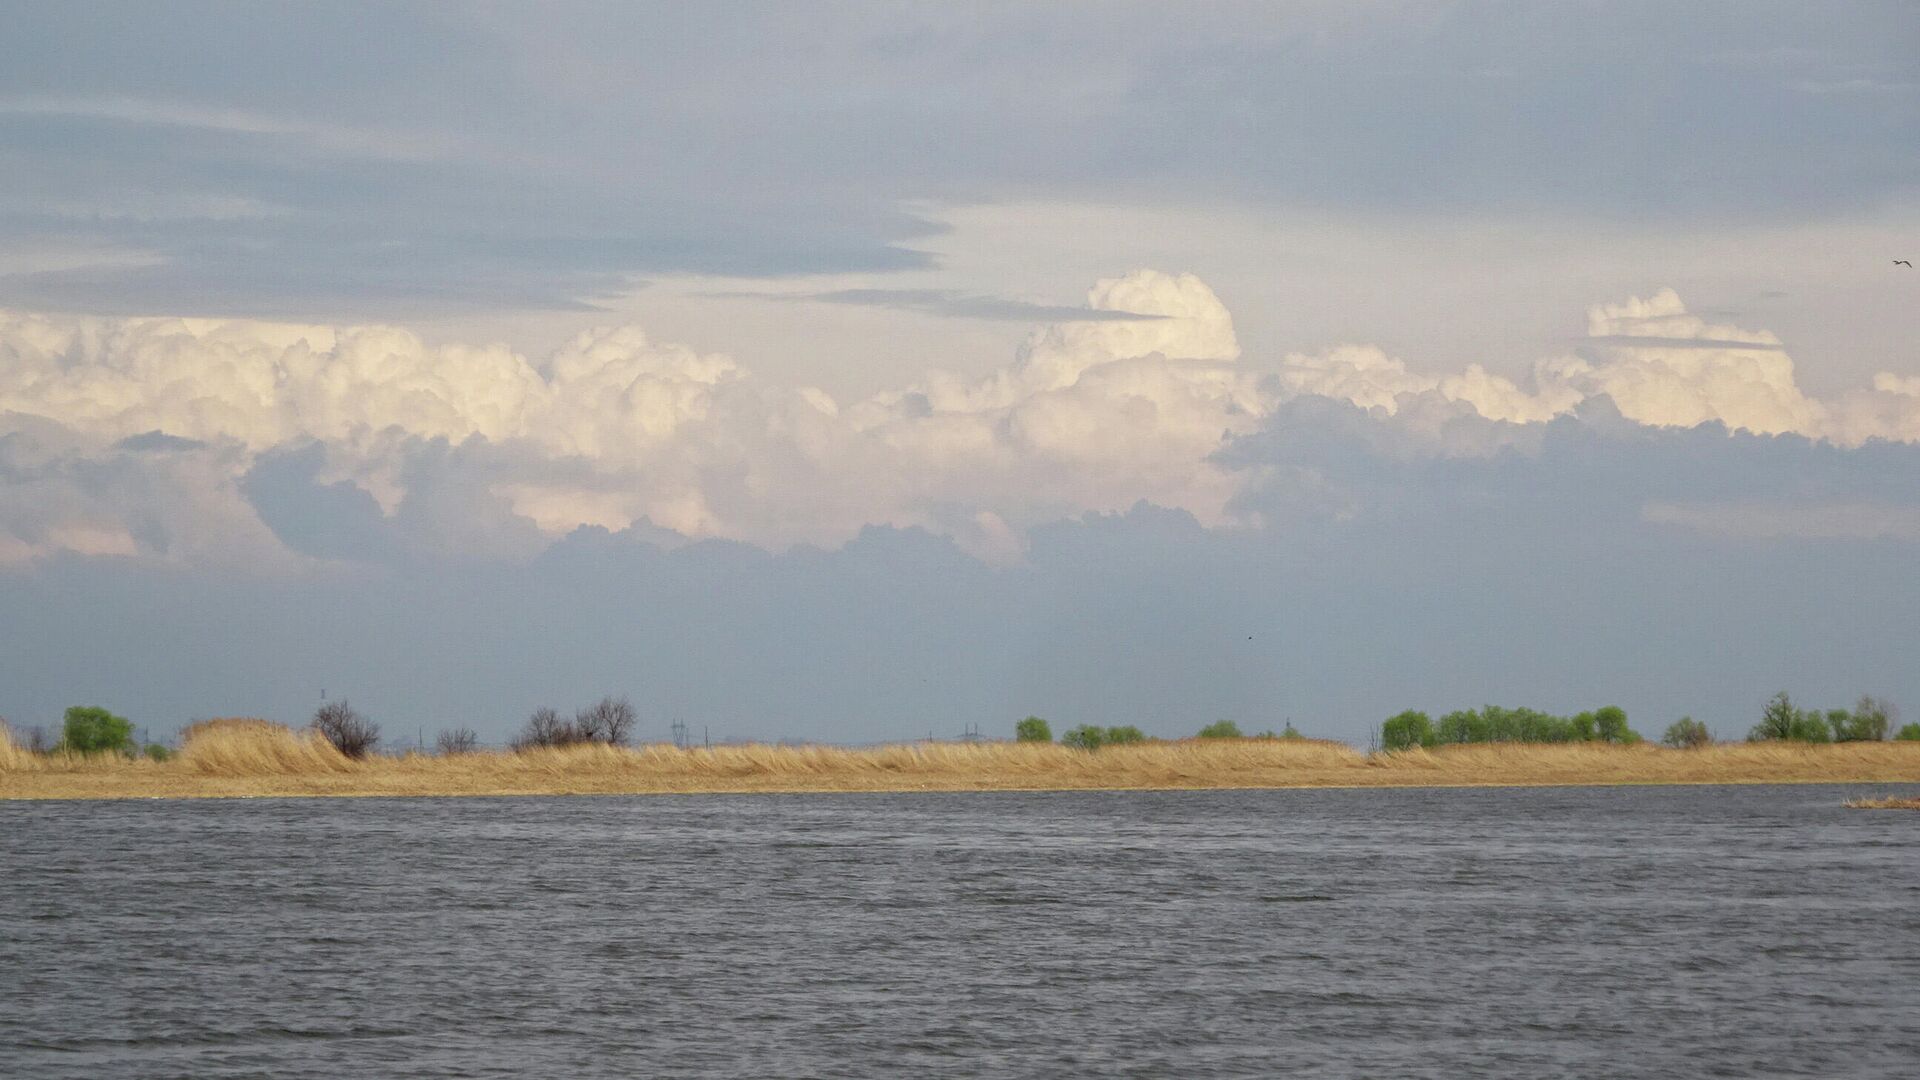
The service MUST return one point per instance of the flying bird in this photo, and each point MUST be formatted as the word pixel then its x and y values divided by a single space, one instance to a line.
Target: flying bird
pixel 1903 262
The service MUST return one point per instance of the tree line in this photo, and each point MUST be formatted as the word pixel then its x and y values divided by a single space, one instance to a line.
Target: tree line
pixel 1871 719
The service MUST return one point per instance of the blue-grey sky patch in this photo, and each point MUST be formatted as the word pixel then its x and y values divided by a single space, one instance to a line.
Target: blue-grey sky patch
pixel 549 154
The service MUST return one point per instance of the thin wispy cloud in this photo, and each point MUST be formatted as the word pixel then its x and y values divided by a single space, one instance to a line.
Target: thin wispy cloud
pixel 948 303
pixel 315 135
pixel 1655 342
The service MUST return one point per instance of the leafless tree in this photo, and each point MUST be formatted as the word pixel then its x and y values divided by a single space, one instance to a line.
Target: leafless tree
pixel 460 740
pixel 350 733
pixel 546 728
pixel 610 720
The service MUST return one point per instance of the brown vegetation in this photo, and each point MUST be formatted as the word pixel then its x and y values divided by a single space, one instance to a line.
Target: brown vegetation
pixel 257 758
pixel 1888 802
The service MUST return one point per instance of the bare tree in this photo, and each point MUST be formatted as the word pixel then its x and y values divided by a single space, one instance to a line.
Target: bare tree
pixel 460 740
pixel 350 733
pixel 545 728
pixel 610 720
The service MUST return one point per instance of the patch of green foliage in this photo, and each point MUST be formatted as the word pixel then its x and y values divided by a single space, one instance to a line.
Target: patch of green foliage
pixel 1687 733
pixel 1033 729
pixel 155 752
pixel 89 729
pixel 1908 733
pixel 1084 737
pixel 1493 723
pixel 1093 737
pixel 1221 729
pixel 1870 720
pixel 1407 730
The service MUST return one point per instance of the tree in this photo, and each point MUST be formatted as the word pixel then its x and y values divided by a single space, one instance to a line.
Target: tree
pixel 1873 718
pixel 1406 731
pixel 1687 733
pixel 460 740
pixel 610 720
pixel 545 728
pixel 1033 729
pixel 89 729
pixel 1084 737
pixel 350 733
pixel 1220 729
pixel 1610 724
pixel 1124 734
pixel 1908 733
pixel 1777 719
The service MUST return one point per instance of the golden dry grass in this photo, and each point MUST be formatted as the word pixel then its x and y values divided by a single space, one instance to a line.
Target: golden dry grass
pixel 1889 802
pixel 257 758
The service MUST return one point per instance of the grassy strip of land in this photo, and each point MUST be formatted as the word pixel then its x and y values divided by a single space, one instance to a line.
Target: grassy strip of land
pixel 255 758
pixel 1890 802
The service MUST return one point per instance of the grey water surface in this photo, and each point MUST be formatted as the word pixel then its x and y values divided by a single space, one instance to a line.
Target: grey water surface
pixel 1661 931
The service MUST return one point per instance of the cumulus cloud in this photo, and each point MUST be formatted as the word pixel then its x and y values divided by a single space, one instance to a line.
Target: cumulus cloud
pixel 191 439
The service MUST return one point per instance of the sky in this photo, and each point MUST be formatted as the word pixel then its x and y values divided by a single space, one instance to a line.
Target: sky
pixel 865 372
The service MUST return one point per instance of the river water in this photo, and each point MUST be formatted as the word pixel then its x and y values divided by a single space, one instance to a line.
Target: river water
pixel 1673 932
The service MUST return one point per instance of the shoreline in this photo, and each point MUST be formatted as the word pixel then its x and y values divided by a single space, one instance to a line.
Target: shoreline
pixel 269 761
pixel 1873 802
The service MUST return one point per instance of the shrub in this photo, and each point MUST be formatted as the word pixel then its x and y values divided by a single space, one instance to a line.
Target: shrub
pixel 156 752
pixel 1033 729
pixel 611 720
pixel 1084 737
pixel 1221 729
pixel 1687 733
pixel 89 729
pixel 460 740
pixel 1289 733
pixel 1124 735
pixel 352 734
pixel 1908 733
pixel 1406 731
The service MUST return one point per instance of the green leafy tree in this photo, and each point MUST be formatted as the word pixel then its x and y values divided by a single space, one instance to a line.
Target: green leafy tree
pixel 1461 726
pixel 1810 727
pixel 1687 733
pixel 1289 732
pixel 1873 719
pixel 156 752
pixel 88 729
pixel 1777 720
pixel 1406 731
pixel 1123 735
pixel 1610 724
pixel 1084 737
pixel 1033 729
pixel 1221 729
pixel 1908 733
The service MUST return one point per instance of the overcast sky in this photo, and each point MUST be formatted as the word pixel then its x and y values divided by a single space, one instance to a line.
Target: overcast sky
pixel 852 372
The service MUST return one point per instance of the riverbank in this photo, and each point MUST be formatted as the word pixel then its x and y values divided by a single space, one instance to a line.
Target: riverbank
pixel 259 759
pixel 1891 802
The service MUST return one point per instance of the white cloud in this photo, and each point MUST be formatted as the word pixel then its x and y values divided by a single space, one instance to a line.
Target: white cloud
pixel 614 427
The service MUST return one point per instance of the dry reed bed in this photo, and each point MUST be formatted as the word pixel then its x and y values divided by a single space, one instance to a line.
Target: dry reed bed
pixel 1890 802
pixel 257 758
